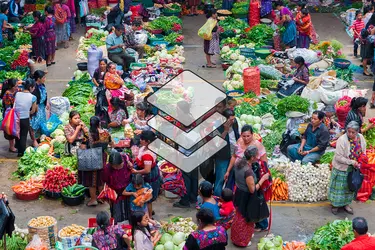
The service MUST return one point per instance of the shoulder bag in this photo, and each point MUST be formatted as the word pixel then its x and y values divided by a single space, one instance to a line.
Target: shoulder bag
pixel 90 159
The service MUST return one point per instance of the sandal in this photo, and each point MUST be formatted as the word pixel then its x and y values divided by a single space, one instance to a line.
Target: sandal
pixel 367 74
pixel 53 62
pixel 348 209
pixel 13 151
pixel 335 210
pixel 209 66
pixel 94 204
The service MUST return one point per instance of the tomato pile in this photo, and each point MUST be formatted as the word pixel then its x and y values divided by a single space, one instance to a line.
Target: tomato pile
pixel 58 178
pixel 21 61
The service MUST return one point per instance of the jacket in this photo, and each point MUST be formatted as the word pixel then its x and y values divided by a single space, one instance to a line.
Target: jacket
pixel 363 242
pixel 12 9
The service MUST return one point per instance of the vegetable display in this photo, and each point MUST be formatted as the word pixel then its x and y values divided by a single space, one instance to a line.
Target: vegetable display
pixel 294 245
pixel 230 23
pixel 279 190
pixel 14 242
pixel 58 178
pixel 332 236
pixel 164 23
pixel 370 136
pixel 308 182
pixel 179 224
pixel 28 187
pixel 74 190
pixel 174 38
pixel 73 230
pixel 78 92
pixel 175 242
pixel 270 243
pixel 260 34
pixel 293 103
pixel 42 221
pixel 327 158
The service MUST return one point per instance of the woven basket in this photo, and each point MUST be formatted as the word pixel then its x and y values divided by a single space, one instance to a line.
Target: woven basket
pixel 68 242
pixel 47 234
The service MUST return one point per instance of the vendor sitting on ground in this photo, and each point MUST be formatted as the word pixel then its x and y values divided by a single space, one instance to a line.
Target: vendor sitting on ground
pixel 15 11
pixel 300 78
pixel 116 48
pixel 129 38
pixel 118 114
pixel 314 141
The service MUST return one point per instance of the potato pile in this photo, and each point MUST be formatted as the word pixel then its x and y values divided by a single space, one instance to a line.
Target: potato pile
pixel 73 230
pixel 42 221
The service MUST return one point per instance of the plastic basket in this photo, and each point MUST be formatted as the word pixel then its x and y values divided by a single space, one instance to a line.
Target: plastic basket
pixel 247 52
pixel 158 37
pixel 28 197
pixel 156 43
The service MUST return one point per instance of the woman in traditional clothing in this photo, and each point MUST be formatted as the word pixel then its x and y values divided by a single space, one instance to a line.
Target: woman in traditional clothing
pixel 357 114
pixel 248 200
pixel 37 31
pixel 304 27
pixel 40 117
pixel 207 236
pixel 98 138
pixel 117 175
pixel 247 139
pixel 349 148
pixel 289 36
pixel 115 84
pixel 118 114
pixel 61 23
pixel 146 166
pixel 72 19
pixel 212 47
pixel 140 117
pixel 8 95
pixel 50 35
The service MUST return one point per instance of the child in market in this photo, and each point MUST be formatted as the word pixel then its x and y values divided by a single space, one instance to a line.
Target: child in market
pixel 131 190
pixel 357 27
pixel 207 199
pixel 226 202
pixel 231 104
pixel 143 236
pixel 330 122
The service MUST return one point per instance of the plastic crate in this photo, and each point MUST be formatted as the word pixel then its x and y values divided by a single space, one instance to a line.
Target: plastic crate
pixel 92 222
pixel 158 37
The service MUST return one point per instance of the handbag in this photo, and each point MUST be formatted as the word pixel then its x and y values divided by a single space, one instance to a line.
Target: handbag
pixel 11 123
pixel 90 159
pixel 355 179
pixel 39 64
pixel 259 208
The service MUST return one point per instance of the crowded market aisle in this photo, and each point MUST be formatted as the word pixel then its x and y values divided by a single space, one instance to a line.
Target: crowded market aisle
pixel 292 221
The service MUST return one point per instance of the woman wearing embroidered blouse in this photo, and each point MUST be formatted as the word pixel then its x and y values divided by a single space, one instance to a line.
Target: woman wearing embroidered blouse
pixel 208 236
pixel 349 149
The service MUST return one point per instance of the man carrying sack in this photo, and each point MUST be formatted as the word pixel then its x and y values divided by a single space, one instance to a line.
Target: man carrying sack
pixel 116 48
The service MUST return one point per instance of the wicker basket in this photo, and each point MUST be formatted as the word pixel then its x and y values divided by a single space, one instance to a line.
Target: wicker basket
pixel 47 234
pixel 68 242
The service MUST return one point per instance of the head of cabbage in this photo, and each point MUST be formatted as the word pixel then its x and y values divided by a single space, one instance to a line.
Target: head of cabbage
pixel 165 237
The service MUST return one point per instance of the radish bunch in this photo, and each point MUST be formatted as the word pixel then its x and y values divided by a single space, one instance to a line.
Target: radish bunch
pixel 58 178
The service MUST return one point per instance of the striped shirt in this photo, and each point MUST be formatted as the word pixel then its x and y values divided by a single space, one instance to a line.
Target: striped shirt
pixel 354 116
pixel 357 26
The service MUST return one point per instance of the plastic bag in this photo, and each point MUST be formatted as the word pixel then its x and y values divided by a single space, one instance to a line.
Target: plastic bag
pixel 269 72
pixel 311 94
pixel 310 56
pixel 205 31
pixel 59 105
pixel 141 37
pixel 36 244
pixel 143 196
pixel 51 125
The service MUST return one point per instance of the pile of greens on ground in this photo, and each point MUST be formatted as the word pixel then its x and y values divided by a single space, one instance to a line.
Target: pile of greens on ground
pixel 164 23
pixel 274 138
pixel 327 158
pixel 260 33
pixel 332 236
pixel 174 8
pixel 240 8
pixel 79 92
pixel 370 136
pixel 230 23
pixel 293 103
pixel 266 105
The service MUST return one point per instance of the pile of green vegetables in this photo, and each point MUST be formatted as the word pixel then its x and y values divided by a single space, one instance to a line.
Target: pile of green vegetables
pixel 28 19
pixel 33 164
pixel 7 55
pixel 327 158
pixel 240 8
pixel 17 74
pixel 14 242
pixel 332 236
pixel 171 38
pixel 98 12
pixel 86 111
pixel 164 23
pixel 73 191
pixel 70 162
pixel 343 74
pixel 267 105
pixel 238 40
pixel 293 103
pixel 370 136
pixel 174 8
pixel 260 33
pixel 274 138
pixel 230 23
pixel 79 92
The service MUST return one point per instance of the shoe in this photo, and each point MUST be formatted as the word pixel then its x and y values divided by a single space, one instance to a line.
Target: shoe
pixel 372 106
pixel 180 205
pixel 53 62
pixel 348 209
pixel 335 210
pixel 94 204
pixel 249 244
pixel 13 151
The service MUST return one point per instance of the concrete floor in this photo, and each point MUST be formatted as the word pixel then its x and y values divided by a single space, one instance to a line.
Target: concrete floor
pixel 291 221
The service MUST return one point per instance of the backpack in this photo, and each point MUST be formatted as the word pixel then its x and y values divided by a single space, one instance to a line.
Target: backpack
pixel 60 14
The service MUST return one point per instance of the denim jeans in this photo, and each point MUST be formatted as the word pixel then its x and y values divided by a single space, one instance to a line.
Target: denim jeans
pixel 294 155
pixel 262 224
pixel 191 184
pixel 221 167
pixel 355 52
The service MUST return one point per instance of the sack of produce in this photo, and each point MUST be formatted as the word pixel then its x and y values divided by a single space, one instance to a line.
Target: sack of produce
pixel 254 13
pixel 94 54
pixel 311 94
pixel 42 230
pixel 342 108
pixel 310 56
pixel 59 105
pixel 269 72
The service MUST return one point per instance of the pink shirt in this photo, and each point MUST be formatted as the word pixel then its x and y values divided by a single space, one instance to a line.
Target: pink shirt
pixel 67 10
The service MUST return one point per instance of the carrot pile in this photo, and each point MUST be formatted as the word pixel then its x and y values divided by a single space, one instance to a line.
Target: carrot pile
pixel 371 156
pixel 143 195
pixel 279 190
pixel 294 245
pixel 28 187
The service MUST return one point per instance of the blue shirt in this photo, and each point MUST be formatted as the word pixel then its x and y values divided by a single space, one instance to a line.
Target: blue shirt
pixel 3 18
pixel 113 40
pixel 214 208
pixel 130 188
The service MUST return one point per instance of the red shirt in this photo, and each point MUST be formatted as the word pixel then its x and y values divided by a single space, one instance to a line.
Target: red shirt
pixel 226 208
pixel 357 26
pixel 363 242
